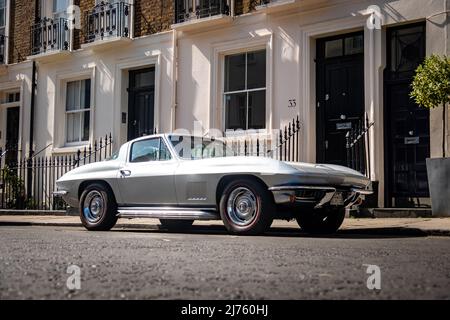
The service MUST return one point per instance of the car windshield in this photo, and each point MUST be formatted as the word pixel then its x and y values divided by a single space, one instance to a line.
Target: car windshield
pixel 114 156
pixel 195 148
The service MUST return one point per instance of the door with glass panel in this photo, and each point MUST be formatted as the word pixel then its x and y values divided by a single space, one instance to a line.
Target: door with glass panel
pixel 340 94
pixel 141 103
pixel 407 125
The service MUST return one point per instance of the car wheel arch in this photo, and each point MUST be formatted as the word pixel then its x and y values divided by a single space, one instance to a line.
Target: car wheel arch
pixel 85 184
pixel 226 180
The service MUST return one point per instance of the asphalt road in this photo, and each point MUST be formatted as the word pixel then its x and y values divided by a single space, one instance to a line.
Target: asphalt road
pixel 209 264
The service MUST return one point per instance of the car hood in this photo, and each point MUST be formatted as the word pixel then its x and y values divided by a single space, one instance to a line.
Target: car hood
pixel 327 174
pixel 91 168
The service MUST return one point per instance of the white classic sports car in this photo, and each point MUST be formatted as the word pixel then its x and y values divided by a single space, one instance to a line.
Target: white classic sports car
pixel 179 179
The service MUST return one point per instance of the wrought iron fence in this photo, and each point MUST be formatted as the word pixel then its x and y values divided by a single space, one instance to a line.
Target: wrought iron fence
pixel 357 145
pixel 29 183
pixel 185 9
pixel 107 20
pixel 283 146
pixel 50 34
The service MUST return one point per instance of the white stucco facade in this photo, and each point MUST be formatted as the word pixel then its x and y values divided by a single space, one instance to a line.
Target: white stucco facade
pixel 189 67
pixel 289 35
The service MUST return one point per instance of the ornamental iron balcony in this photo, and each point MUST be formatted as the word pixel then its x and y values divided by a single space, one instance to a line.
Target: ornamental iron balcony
pixel 50 35
pixel 108 20
pixel 188 10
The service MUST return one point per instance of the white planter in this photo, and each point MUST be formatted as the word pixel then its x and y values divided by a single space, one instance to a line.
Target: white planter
pixel 439 182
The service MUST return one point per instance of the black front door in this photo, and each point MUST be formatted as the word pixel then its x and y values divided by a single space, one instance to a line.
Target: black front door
pixel 407 125
pixel 141 104
pixel 12 134
pixel 340 94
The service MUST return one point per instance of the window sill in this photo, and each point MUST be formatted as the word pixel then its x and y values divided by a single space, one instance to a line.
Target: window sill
pixel 70 149
pixel 254 133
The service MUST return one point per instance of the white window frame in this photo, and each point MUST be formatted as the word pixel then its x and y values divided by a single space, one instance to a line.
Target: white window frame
pixel 264 40
pixel 60 144
pixel 77 111
pixel 219 51
pixel 7 27
pixel 246 90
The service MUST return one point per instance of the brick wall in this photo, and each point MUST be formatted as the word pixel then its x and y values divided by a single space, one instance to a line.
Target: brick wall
pixel 152 16
pixel 23 15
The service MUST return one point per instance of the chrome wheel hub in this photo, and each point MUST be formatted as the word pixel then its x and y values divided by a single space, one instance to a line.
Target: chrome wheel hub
pixel 242 206
pixel 93 207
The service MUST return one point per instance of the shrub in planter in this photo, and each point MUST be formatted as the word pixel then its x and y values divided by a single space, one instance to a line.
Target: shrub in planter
pixel 431 89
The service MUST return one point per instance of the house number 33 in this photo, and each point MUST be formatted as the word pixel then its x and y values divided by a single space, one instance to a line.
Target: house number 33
pixel 292 103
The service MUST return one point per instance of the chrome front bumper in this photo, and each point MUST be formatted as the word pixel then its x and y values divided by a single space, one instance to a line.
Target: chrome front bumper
pixel 318 196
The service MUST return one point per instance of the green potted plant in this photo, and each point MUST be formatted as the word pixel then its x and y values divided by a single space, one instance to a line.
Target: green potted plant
pixel 431 89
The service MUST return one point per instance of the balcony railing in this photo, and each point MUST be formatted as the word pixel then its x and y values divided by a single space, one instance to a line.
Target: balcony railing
pixel 108 20
pixel 50 35
pixel 188 10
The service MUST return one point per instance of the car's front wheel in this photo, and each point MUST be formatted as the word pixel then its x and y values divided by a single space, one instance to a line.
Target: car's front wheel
pixel 321 221
pixel 98 208
pixel 247 207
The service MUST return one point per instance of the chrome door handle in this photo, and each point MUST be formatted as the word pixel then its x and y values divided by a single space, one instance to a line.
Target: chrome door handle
pixel 125 173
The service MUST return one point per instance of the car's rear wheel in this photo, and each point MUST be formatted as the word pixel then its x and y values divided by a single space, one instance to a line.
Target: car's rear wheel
pixel 321 221
pixel 98 208
pixel 247 207
pixel 177 225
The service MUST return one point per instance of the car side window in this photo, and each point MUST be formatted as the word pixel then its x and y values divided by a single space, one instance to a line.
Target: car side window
pixel 149 150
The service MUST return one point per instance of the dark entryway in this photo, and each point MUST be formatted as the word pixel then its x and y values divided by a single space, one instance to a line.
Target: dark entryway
pixel 340 94
pixel 407 126
pixel 141 103
pixel 12 134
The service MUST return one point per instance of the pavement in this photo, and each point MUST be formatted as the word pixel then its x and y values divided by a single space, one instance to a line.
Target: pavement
pixel 393 226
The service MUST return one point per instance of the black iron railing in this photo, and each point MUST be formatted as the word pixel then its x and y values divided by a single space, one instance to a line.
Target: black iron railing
pixel 49 35
pixel 187 10
pixel 40 174
pixel 357 145
pixel 108 20
pixel 283 146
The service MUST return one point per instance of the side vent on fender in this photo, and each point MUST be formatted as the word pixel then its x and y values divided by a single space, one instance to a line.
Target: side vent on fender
pixel 196 191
